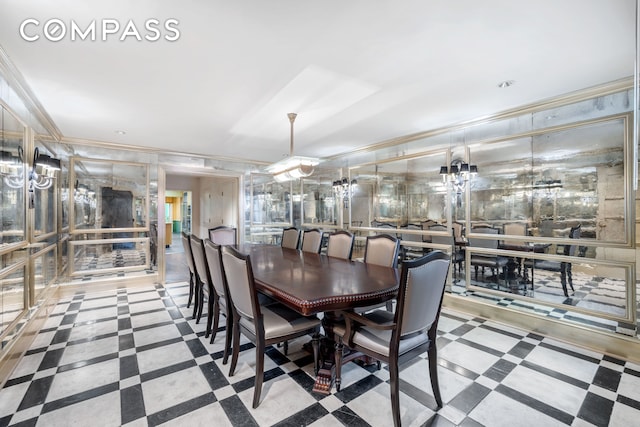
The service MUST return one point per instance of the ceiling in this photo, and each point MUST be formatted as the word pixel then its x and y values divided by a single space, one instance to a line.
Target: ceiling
pixel 356 72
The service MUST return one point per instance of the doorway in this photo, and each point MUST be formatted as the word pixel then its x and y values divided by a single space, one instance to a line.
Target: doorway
pixel 194 204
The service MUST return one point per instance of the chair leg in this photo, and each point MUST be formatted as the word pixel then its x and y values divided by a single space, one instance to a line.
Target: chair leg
pixel 190 289
pixel 200 303
pixel 227 338
pixel 196 299
pixel 389 306
pixel 338 360
pixel 394 385
pixel 236 345
pixel 563 278
pixel 259 373
pixel 285 348
pixel 570 276
pixel 212 317
pixel 433 373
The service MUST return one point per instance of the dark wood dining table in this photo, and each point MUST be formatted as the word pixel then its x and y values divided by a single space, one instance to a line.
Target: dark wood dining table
pixel 311 283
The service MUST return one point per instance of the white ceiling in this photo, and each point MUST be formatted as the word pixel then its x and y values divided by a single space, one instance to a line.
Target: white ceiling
pixel 357 72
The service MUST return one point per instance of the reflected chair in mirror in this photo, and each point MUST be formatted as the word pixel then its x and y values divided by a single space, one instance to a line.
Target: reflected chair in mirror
pixel 494 262
pixel 458 231
pixel 424 225
pixel 223 235
pixel 340 244
pixel 383 250
pixel 262 325
pixel 153 243
pixel 515 229
pixel 290 238
pixel 186 245
pixel 311 241
pixel 409 251
pixel 396 338
pixel 221 298
pixel 457 257
pixel 203 279
pixel 563 267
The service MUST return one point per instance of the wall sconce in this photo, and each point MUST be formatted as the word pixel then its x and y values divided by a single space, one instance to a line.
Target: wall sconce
pixel 43 171
pixel 12 168
pixel 459 173
pixel 345 189
pixel 42 174
pixel 83 193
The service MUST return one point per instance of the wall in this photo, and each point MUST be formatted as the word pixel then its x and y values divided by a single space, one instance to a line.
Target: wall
pixel 219 203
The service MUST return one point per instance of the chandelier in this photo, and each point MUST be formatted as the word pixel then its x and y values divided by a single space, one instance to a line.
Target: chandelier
pixel 458 174
pixel 292 167
pixel 344 188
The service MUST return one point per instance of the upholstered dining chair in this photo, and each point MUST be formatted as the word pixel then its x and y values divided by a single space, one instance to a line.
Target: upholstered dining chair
pixel 290 238
pixel 563 267
pixel 457 257
pixel 409 251
pixel 340 244
pixel 263 325
pixel 494 262
pixel 204 286
pixel 395 338
pixel 223 235
pixel 311 241
pixel 186 245
pixel 381 249
pixel 221 298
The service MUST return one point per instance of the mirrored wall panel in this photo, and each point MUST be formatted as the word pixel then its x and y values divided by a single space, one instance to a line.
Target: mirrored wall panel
pixel 551 181
pixel 320 200
pixel 12 175
pixel 109 195
pixel 271 201
pixel 399 193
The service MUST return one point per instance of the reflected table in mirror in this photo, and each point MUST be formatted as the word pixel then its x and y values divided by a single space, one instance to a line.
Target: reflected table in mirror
pixel 517 275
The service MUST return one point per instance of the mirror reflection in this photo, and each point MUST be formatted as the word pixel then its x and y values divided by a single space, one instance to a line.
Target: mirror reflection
pixel 320 201
pixel 12 173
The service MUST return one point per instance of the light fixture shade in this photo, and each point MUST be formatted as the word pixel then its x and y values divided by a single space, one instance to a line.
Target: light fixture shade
pixel 464 168
pixel 292 167
pixel 473 169
pixel 454 169
pixel 444 170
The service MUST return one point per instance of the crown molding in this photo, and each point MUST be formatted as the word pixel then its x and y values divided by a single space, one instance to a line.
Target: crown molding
pixel 18 84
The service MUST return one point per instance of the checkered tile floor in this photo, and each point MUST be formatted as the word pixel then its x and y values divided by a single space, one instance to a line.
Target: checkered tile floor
pixel 135 357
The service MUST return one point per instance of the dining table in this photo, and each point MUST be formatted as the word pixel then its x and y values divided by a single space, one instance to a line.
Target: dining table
pixel 312 283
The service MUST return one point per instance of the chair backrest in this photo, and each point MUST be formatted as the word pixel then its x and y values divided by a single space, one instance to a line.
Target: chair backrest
pixel 223 235
pixel 340 244
pixel 213 254
pixel 237 268
pixel 458 229
pixel 574 233
pixel 410 237
pixel 200 260
pixel 382 249
pixel 427 223
pixel 186 245
pixel 420 293
pixel 515 229
pixel 290 238
pixel 312 241
pixel 441 240
pixel 484 243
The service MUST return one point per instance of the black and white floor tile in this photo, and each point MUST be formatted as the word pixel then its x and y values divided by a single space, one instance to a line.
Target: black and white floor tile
pixel 135 357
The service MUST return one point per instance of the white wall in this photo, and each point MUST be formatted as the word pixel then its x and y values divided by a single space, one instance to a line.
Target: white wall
pixel 219 203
